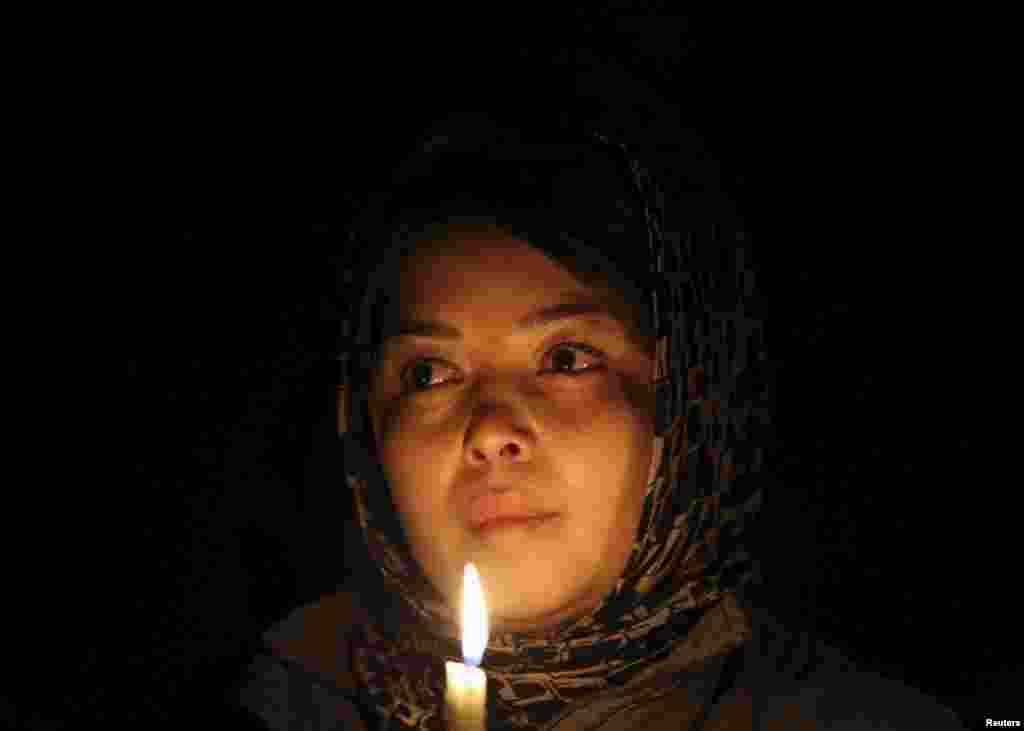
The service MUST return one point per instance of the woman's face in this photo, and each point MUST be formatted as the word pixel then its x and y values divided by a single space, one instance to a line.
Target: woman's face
pixel 500 416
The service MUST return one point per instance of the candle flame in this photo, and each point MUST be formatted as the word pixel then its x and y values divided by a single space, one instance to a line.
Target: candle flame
pixel 474 617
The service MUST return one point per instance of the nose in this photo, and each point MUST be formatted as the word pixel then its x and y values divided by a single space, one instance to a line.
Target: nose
pixel 497 436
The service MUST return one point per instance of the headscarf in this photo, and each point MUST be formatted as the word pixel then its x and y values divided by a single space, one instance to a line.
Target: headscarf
pixel 688 551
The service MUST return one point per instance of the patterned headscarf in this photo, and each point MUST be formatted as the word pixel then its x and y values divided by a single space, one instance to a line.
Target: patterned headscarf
pixel 687 553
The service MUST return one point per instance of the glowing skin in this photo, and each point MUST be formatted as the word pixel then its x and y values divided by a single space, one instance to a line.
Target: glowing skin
pixel 500 413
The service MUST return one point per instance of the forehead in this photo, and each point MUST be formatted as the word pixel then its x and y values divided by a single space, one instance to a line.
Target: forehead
pixel 477 272
pixel 463 261
pixel 486 281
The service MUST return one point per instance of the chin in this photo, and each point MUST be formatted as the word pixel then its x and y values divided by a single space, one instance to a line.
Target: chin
pixel 537 608
pixel 522 586
pixel 525 610
pixel 537 618
pixel 530 591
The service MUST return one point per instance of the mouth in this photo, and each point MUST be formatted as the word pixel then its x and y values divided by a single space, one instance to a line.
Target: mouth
pixel 512 522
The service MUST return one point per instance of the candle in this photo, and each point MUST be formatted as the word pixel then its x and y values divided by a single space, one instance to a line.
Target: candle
pixel 466 689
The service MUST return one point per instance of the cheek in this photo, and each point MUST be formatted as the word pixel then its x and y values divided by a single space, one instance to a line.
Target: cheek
pixel 414 469
pixel 638 393
pixel 391 434
pixel 611 443
pixel 417 468
pixel 624 404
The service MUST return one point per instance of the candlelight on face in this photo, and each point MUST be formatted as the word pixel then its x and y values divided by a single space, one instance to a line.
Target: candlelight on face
pixel 560 421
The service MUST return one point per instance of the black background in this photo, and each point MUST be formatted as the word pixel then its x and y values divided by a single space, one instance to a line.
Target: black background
pixel 883 503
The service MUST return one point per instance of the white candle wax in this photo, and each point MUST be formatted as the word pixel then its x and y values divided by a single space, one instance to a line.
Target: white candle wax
pixel 465 697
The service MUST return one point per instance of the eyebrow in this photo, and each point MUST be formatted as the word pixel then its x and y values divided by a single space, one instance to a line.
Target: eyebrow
pixel 532 321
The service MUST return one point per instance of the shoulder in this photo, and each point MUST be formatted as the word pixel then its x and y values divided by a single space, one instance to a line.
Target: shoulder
pixel 302 671
pixel 794 679
pixel 282 693
pixel 315 635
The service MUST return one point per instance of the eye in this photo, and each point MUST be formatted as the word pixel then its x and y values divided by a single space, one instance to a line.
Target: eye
pixel 565 356
pixel 419 374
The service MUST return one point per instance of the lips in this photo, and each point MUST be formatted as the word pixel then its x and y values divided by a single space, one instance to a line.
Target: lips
pixel 510 521
pixel 492 510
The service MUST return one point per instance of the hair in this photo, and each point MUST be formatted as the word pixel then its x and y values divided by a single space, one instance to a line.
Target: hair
pixel 543 180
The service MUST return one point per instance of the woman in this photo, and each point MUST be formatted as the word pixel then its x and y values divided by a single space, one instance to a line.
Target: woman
pixel 531 345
